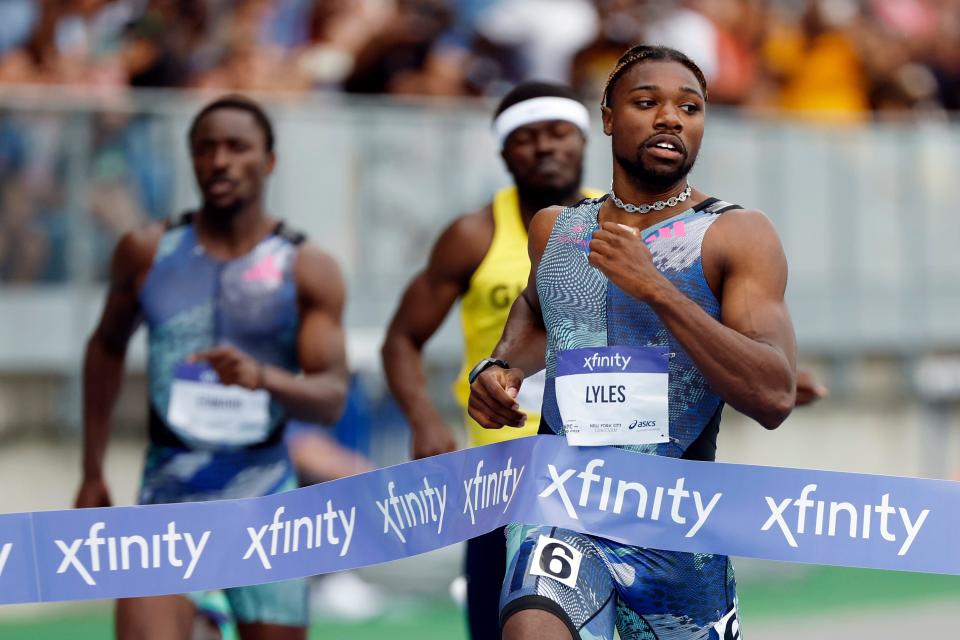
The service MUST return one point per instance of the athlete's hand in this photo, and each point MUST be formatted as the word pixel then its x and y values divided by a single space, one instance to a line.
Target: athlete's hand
pixel 493 396
pixel 619 252
pixel 93 493
pixel 232 366
pixel 809 389
pixel 431 439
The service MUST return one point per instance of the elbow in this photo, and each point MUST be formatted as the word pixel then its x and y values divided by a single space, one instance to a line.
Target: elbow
pixel 776 409
pixel 336 402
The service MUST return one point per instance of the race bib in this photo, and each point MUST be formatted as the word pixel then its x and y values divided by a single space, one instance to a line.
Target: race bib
pixel 613 395
pixel 203 411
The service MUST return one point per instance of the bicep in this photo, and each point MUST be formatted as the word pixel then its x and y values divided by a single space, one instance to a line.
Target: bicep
pixel 755 281
pixel 321 339
pixel 424 305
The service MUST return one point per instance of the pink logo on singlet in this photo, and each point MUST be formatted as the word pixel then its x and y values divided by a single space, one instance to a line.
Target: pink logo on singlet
pixel 577 228
pixel 264 271
pixel 676 230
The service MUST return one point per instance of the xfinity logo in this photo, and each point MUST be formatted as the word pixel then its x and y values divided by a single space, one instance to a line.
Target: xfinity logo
pixel 597 360
pixel 124 552
pixel 857 518
pixel 406 510
pixel 310 532
pixel 486 490
pixel 679 510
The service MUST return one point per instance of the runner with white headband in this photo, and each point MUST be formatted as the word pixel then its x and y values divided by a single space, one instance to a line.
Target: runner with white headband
pixel 481 259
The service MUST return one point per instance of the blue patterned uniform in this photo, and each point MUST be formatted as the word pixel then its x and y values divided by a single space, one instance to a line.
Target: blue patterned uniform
pixel 190 302
pixel 646 594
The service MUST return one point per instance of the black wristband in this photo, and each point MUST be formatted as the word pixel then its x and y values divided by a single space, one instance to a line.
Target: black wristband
pixel 485 364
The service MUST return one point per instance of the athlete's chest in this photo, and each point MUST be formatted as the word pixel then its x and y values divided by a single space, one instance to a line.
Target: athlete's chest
pixel 566 280
pixel 252 296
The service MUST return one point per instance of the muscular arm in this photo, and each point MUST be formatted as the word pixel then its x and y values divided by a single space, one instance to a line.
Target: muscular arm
pixel 105 354
pixel 319 395
pixel 424 305
pixel 749 356
pixel 523 343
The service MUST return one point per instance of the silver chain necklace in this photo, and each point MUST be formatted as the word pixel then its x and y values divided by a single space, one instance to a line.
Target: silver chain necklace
pixel 659 205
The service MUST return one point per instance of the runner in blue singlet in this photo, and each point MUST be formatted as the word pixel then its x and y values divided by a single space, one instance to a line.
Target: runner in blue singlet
pixel 655 267
pixel 236 307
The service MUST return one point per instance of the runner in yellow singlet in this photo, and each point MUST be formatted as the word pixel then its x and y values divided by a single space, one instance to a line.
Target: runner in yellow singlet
pixel 481 258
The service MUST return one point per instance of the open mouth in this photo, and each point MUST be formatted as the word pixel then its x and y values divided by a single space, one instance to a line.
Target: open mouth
pixel 666 147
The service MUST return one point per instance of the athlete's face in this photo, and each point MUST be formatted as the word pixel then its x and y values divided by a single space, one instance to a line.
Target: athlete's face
pixel 545 156
pixel 655 117
pixel 230 159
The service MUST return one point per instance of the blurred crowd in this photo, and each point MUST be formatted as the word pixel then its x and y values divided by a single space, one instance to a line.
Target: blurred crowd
pixel 828 58
pixel 833 60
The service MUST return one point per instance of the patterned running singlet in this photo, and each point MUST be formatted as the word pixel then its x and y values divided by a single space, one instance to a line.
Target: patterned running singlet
pixel 642 593
pixel 192 302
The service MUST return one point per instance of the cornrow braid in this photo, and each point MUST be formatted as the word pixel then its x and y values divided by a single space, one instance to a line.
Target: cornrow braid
pixel 643 53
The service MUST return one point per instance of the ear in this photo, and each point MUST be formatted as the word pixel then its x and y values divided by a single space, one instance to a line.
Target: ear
pixel 606 113
pixel 271 162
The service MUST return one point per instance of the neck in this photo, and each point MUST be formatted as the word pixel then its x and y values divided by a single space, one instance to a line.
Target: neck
pixel 532 201
pixel 634 190
pixel 234 233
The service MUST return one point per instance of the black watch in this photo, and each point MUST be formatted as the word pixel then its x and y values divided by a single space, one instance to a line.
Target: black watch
pixel 485 364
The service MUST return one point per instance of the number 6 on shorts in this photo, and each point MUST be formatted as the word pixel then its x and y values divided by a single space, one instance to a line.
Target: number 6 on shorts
pixel 556 559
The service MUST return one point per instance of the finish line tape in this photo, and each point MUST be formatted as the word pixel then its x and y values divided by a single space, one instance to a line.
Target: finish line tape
pixel 796 515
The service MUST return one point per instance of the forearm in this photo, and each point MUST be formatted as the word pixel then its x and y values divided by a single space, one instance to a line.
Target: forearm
pixel 403 366
pixel 317 397
pixel 102 380
pixel 524 340
pixel 753 377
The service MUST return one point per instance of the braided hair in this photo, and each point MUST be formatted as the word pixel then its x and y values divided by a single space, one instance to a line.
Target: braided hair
pixel 649 53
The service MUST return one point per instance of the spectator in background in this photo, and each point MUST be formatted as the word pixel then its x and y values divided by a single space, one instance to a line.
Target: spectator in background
pixel 338 31
pixel 543 35
pixel 24 245
pixel 409 55
pixel 815 65
pixel 620 24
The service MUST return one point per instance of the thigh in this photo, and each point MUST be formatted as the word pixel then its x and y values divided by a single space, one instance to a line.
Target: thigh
pixel 683 596
pixel 158 617
pixel 562 573
pixel 486 563
pixel 284 604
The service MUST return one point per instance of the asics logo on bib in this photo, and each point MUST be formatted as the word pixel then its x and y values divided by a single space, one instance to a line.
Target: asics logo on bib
pixel 406 510
pixel 835 512
pixel 311 529
pixel 491 489
pixel 149 551
pixel 4 554
pixel 677 496
pixel 599 361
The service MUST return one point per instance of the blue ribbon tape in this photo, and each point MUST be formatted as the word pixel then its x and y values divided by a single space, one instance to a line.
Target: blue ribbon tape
pixel 796 515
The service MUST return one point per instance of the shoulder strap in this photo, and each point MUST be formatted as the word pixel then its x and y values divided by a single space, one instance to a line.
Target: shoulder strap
pixel 292 236
pixel 182 219
pixel 715 206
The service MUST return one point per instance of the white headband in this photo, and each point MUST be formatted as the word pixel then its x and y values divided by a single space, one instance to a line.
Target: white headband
pixel 540 110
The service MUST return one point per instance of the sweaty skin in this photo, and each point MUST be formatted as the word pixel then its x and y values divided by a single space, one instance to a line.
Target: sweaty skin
pixel 749 355
pixel 231 165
